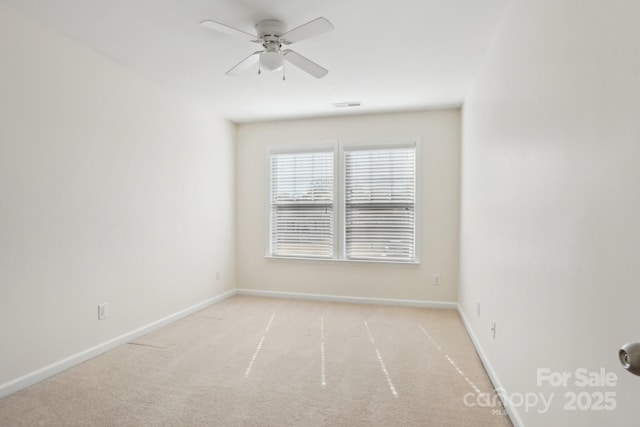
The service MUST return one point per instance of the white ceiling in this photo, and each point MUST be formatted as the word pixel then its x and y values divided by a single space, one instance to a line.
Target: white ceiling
pixel 390 55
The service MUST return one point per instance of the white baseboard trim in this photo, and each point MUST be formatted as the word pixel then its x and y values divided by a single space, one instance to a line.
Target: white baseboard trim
pixel 513 413
pixel 48 371
pixel 346 299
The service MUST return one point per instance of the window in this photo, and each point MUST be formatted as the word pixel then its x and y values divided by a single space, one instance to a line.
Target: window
pixel 380 204
pixel 351 201
pixel 302 204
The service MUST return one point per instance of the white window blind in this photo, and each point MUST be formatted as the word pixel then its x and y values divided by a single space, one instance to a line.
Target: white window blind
pixel 302 218
pixel 380 204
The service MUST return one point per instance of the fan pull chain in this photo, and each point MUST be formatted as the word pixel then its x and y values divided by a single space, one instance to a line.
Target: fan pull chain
pixel 260 64
pixel 284 67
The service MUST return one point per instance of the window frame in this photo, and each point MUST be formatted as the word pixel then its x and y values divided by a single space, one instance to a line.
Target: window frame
pixel 339 200
pixel 293 149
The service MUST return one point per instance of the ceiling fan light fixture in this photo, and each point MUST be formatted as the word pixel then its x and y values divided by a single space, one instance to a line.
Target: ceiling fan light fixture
pixel 272 35
pixel 272 61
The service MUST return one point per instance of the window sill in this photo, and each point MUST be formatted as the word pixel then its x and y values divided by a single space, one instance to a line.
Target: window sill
pixel 339 261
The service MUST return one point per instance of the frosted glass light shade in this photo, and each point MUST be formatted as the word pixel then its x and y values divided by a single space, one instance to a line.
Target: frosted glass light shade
pixel 272 61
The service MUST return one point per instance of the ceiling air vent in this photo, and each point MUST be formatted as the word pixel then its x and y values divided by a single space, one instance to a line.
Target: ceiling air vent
pixel 347 104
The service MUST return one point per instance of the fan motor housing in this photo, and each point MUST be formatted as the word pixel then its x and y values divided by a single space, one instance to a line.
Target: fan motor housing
pixel 271 27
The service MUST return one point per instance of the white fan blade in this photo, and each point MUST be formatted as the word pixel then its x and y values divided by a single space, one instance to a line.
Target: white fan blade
pixel 305 64
pixel 244 65
pixel 222 28
pixel 305 31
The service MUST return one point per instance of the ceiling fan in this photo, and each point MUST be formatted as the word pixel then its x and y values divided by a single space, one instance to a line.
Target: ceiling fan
pixel 272 35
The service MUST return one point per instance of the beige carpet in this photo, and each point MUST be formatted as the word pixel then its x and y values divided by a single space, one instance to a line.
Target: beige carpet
pixel 267 362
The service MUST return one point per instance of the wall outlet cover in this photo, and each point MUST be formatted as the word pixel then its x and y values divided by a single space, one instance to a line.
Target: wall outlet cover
pixel 103 311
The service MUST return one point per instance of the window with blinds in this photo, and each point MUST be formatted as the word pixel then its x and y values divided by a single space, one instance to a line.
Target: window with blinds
pixel 344 201
pixel 379 211
pixel 302 209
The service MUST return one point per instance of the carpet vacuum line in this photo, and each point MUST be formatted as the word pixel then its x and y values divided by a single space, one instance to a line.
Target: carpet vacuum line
pixel 384 368
pixel 253 359
pixel 473 386
pixel 323 380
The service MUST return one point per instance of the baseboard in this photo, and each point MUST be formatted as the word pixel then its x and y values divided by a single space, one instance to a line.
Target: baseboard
pixel 346 299
pixel 497 384
pixel 68 362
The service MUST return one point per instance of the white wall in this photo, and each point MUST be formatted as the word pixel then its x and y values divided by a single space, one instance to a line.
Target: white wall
pixel 111 190
pixel 439 132
pixel 550 233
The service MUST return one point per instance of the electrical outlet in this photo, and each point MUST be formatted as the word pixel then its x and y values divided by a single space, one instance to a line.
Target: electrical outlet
pixel 103 311
pixel 493 329
pixel 217 275
pixel 436 279
pixel 478 309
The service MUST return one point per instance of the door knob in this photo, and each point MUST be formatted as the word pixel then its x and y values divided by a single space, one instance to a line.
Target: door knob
pixel 630 357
